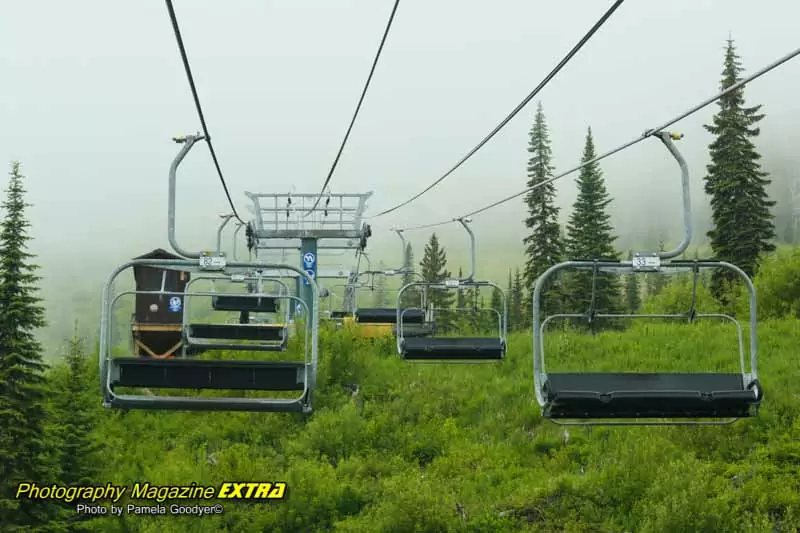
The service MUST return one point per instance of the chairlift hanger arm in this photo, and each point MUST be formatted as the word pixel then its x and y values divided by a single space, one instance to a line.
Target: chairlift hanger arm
pixel 366 258
pixel 650 261
pixel 225 219
pixel 186 142
pixel 190 78
pixel 405 247
pixel 236 231
pixel 464 221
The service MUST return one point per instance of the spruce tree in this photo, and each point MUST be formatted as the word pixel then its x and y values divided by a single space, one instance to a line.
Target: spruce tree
pixel 379 294
pixel 509 301
pixel 411 297
pixel 743 226
pixel 76 418
pixel 464 316
pixel 22 381
pixel 434 269
pixel 495 303
pixel 544 246
pixel 461 296
pixel 516 301
pixel 589 237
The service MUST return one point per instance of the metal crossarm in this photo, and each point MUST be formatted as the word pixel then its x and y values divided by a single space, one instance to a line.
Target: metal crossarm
pixel 279 216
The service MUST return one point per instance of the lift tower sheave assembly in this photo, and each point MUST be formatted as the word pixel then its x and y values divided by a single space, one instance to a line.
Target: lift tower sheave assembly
pixel 337 223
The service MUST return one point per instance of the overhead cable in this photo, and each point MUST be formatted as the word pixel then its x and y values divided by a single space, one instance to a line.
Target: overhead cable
pixel 206 134
pixel 516 110
pixel 648 133
pixel 358 107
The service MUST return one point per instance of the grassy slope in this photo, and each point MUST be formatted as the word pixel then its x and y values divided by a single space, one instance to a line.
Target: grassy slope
pixel 419 442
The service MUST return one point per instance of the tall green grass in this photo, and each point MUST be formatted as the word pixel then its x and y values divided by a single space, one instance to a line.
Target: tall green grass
pixel 430 448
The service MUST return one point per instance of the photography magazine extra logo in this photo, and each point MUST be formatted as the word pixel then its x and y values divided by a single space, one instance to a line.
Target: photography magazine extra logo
pixel 108 499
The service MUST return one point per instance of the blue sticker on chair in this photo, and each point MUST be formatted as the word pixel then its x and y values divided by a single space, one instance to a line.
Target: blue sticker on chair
pixel 174 304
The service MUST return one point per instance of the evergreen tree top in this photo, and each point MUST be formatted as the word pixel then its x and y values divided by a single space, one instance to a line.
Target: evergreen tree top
pixel 17 274
pixel 434 261
pixel 543 245
pixel 743 227
pixel 589 227
pixel 731 74
pixel 591 185
pixel 540 163
pixel 590 153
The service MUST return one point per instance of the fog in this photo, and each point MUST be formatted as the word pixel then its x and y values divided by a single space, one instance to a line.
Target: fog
pixel 93 91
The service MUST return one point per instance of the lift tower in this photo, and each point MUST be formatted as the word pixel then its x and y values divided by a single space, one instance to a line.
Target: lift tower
pixel 283 222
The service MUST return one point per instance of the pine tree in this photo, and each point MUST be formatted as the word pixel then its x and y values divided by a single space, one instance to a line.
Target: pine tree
pixel 516 301
pixel 434 269
pixel 544 246
pixel 509 302
pixel 743 226
pixel 22 381
pixel 461 296
pixel 495 303
pixel 379 295
pixel 632 295
pixel 589 237
pixel 411 297
pixel 76 419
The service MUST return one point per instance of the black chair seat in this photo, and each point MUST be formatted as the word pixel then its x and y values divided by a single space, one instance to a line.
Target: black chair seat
pixel 454 348
pixel 180 373
pixel 261 304
pixel 388 316
pixel 640 395
pixel 239 332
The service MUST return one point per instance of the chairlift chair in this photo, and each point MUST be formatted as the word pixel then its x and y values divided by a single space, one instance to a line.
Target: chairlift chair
pixel 242 304
pixel 191 373
pixel 155 330
pixel 387 316
pixel 452 348
pixel 334 313
pixel 382 321
pixel 380 315
pixel 244 335
pixel 596 398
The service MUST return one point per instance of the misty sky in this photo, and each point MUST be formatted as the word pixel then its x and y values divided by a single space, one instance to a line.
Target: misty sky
pixel 93 91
